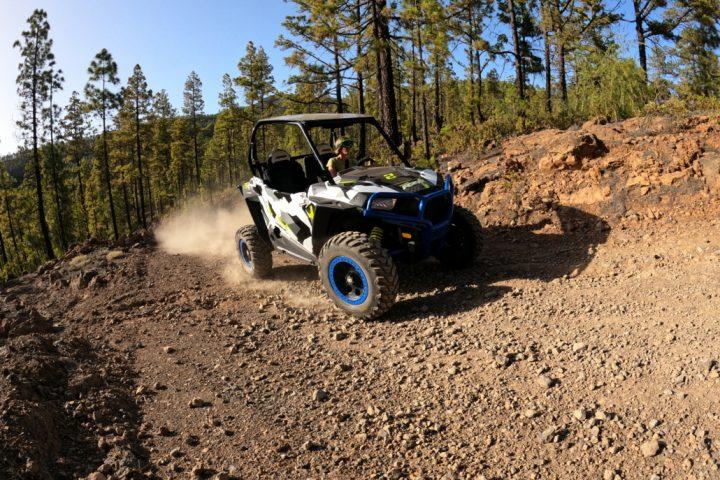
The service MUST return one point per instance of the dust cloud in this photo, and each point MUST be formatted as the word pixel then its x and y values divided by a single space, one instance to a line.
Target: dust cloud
pixel 202 230
pixel 208 232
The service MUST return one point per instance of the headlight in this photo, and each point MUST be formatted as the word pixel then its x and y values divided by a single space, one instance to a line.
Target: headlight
pixel 383 203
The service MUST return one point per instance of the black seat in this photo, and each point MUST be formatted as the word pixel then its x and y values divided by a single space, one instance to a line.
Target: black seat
pixel 285 174
pixel 314 172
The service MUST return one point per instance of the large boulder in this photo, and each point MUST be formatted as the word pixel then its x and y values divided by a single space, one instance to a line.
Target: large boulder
pixel 570 150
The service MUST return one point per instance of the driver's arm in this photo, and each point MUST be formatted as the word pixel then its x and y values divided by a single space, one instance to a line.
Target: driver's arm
pixel 331 167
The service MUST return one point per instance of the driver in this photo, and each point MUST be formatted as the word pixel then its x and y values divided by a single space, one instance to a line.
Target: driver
pixel 341 160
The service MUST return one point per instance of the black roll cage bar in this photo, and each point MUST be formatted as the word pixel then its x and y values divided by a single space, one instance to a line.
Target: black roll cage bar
pixel 305 126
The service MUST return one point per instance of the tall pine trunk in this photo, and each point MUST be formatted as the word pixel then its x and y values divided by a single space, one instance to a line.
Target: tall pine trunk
pixel 195 150
pixel 137 186
pixel 562 73
pixel 471 81
pixel 384 65
pixel 11 227
pixel 640 32
pixel 56 195
pixel 360 80
pixel 548 72
pixel 423 102
pixel 3 253
pixel 81 194
pixel 231 152
pixel 519 80
pixel 138 151
pixel 338 79
pixel 106 168
pixel 560 45
pixel 150 199
pixel 413 86
pixel 437 105
pixel 478 65
pixel 126 200
pixel 36 165
pixel 56 177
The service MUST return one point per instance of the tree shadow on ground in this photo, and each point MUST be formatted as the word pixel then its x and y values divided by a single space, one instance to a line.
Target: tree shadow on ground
pixel 520 252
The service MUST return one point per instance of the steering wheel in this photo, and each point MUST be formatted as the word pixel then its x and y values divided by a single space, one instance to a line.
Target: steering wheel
pixel 366 161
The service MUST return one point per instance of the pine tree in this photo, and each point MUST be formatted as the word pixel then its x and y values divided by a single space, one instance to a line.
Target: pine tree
pixel 520 16
pixel 163 114
pixel 56 168
pixel 181 154
pixel 415 21
pixel 228 125
pixel 574 22
pixel 102 101
pixel 136 103
pixel 320 46
pixel 122 155
pixel 468 22
pixel 32 86
pixel 696 46
pixel 76 130
pixel 193 106
pixel 656 18
pixel 255 79
pixel 436 23
pixel 546 27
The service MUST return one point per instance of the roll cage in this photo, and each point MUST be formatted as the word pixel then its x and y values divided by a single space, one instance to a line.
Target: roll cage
pixel 306 123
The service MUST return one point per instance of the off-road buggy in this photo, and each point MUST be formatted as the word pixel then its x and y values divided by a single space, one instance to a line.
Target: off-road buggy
pixel 354 226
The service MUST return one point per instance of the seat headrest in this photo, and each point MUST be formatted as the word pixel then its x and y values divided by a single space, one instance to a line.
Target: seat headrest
pixel 324 149
pixel 278 156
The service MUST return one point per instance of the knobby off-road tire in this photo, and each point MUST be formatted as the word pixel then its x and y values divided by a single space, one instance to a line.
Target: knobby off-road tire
pixel 358 275
pixel 464 241
pixel 254 252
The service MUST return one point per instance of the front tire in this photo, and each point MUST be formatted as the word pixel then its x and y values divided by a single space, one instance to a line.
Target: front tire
pixel 463 242
pixel 358 275
pixel 254 252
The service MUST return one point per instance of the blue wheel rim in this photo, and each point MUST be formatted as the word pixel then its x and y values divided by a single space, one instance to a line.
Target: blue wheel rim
pixel 348 280
pixel 245 254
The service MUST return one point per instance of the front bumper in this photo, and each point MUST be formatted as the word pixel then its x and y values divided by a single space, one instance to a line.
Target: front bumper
pixel 428 217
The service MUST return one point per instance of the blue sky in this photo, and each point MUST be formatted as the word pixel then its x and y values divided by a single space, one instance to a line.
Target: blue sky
pixel 167 38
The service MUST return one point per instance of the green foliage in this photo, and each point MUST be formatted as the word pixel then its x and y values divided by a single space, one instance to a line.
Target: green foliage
pixel 683 106
pixel 609 86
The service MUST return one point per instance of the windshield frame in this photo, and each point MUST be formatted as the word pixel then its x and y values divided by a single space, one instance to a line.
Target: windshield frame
pixel 305 127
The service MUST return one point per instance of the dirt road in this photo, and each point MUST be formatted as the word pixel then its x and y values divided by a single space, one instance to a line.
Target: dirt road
pixel 573 351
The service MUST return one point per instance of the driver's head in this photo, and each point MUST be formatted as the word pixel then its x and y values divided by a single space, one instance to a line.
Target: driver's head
pixel 343 146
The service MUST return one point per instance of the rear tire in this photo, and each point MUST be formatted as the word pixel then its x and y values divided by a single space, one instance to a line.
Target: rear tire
pixel 358 275
pixel 464 240
pixel 254 253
